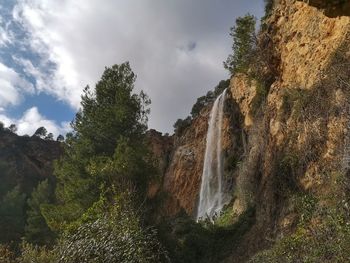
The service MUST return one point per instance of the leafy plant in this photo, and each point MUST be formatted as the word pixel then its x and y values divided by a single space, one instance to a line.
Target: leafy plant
pixel 116 236
pixel 244 45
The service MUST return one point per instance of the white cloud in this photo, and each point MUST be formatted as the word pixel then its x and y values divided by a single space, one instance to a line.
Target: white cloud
pixel 157 37
pixel 5 38
pixel 31 120
pixel 12 86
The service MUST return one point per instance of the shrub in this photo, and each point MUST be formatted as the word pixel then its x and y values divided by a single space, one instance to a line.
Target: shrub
pixel 116 236
pixel 6 255
pixel 180 125
pixel 205 242
pixel 35 254
pixel 209 97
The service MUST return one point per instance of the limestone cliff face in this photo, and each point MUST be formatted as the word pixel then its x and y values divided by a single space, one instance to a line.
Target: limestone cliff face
pixel 292 141
pixel 297 139
pixel 183 176
pixel 161 147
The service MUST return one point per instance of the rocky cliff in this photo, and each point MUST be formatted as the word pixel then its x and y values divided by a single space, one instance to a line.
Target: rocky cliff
pixel 25 161
pixel 183 175
pixel 290 140
pixel 300 130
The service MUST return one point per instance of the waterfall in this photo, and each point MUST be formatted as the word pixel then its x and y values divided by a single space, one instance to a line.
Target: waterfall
pixel 211 196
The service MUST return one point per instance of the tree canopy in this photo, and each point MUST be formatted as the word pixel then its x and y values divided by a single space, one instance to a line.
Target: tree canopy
pixel 244 44
pixel 106 152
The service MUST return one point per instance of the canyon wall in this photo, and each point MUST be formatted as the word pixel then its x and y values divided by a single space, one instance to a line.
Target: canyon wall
pixel 285 141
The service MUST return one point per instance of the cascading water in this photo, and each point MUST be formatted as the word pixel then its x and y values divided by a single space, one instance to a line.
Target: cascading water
pixel 211 196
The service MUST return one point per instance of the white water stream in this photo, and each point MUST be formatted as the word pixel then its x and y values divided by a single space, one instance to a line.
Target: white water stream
pixel 211 196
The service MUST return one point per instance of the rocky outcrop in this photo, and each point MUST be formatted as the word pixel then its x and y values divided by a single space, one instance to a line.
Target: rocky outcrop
pixel 284 141
pixel 297 140
pixel 183 176
pixel 26 160
pixel 332 8
pixel 161 147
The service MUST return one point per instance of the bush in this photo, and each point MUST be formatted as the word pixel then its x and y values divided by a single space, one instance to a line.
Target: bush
pixel 180 125
pixel 116 236
pixel 209 97
pixel 36 254
pixel 205 242
pixel 6 255
pixel 323 230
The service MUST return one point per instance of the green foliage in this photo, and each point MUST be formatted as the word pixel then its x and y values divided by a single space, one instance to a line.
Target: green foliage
pixel 188 241
pixel 6 177
pixel 209 98
pixel 60 138
pixel 244 45
pixel 106 150
pixel 203 101
pixel 36 229
pixel 49 137
pixel 268 6
pixel 287 173
pixel 323 230
pixel 12 216
pixel 13 128
pixel 326 242
pixel 36 254
pixel 227 217
pixel 268 9
pixel 180 125
pixel 116 236
pixel 6 255
pixel 305 206
pixel 295 101
pixel 40 132
pixel 260 96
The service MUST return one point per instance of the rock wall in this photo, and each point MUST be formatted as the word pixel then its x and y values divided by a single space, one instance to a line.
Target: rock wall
pixel 292 140
pixel 26 160
pixel 183 175
pixel 296 140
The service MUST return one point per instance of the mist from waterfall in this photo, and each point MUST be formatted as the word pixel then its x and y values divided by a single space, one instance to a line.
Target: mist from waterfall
pixel 211 196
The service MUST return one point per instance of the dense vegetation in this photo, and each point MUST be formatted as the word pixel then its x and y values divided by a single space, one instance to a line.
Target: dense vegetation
pixel 99 185
pixel 94 208
pixel 202 102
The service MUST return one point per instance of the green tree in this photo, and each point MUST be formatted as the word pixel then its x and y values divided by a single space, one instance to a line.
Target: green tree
pixel 49 137
pixel 181 124
pixel 40 132
pixel 106 151
pixel 36 229
pixel 13 128
pixel 12 216
pixel 60 138
pixel 244 45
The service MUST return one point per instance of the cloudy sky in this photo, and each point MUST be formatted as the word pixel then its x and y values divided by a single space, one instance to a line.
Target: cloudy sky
pixel 51 49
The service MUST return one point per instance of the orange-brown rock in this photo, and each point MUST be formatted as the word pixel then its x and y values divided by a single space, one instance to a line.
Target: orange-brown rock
pixel 304 117
pixel 183 176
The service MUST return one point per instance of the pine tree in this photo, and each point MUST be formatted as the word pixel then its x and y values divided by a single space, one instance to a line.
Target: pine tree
pixel 12 216
pixel 105 151
pixel 36 229
pixel 244 45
